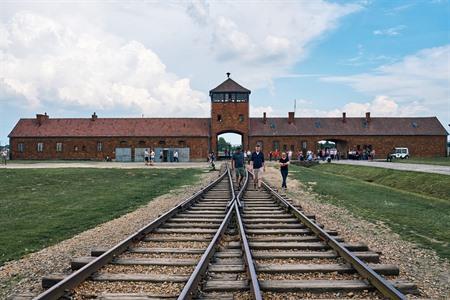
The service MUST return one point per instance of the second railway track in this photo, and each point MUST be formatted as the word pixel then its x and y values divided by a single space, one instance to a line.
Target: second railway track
pixel 227 244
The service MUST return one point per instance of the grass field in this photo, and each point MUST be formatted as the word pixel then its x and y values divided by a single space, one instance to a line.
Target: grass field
pixel 441 161
pixel 415 205
pixel 40 207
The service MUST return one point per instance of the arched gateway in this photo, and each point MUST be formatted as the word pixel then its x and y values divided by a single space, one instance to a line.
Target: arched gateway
pixel 192 139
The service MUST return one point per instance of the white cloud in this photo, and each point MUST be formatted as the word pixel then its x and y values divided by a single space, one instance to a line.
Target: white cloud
pixel 393 31
pixel 260 42
pixel 380 106
pixel 257 111
pixel 422 79
pixel 46 63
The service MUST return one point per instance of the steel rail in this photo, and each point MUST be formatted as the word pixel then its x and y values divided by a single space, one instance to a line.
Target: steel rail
pixel 382 285
pixel 74 279
pixel 251 271
pixel 191 287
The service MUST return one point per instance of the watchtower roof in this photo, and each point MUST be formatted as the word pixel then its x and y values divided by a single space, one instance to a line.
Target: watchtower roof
pixel 228 86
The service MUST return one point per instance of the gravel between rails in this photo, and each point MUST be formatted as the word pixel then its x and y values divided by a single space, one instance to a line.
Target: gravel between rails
pixel 308 276
pixel 421 266
pixel 88 289
pixel 24 276
pixel 306 295
pixel 167 270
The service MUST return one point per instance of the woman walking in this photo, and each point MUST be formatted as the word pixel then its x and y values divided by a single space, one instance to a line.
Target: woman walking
pixel 284 167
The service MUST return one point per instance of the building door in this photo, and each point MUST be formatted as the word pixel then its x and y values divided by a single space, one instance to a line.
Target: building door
pixel 139 154
pixel 123 154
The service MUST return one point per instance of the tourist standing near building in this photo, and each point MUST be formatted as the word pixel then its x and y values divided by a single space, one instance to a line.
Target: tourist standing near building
pixel 238 164
pixel 289 154
pixel 284 168
pixel 175 156
pixel 146 157
pixel 4 155
pixel 152 157
pixel 257 165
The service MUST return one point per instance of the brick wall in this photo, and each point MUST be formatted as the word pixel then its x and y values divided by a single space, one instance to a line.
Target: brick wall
pixel 419 146
pixel 87 147
pixel 229 120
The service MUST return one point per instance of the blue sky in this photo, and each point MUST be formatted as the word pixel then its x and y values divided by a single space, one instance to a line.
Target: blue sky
pixel 160 59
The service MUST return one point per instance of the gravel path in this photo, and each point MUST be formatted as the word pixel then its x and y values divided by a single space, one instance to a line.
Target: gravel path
pixel 403 166
pixel 421 266
pixel 24 276
pixel 104 165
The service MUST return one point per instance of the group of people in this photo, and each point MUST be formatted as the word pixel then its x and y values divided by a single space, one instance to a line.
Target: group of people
pixel 257 166
pixel 364 154
pixel 149 156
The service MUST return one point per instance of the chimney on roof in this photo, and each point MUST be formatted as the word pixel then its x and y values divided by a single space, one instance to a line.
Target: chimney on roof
pixel 228 74
pixel 344 117
pixel 291 116
pixel 41 118
pixel 94 116
pixel 264 117
pixel 367 117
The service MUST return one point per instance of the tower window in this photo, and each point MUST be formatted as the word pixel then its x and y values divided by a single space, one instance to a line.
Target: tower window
pixel 21 147
pixel 219 118
pixel 40 147
pixel 99 146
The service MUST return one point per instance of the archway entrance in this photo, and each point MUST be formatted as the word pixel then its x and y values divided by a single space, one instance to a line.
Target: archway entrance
pixel 227 143
pixel 336 149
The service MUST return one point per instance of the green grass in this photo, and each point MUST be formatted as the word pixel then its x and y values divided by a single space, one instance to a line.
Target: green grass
pixel 440 161
pixel 40 207
pixel 402 205
pixel 426 184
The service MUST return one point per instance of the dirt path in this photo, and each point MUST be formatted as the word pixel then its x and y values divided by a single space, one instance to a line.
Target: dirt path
pixel 24 276
pixel 421 266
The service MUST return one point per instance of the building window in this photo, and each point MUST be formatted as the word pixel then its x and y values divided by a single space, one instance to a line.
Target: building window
pixel 219 118
pixel 182 143
pixel 304 145
pixel 241 118
pixel 75 148
pixel 99 146
pixel 40 147
pixel 261 144
pixel 292 148
pixel 123 143
pixel 162 142
pixel 21 147
pixel 276 145
pixel 284 148
pixel 59 147
pixel 83 148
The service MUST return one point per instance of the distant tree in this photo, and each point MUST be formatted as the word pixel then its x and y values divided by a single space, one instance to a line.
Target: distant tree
pixel 222 144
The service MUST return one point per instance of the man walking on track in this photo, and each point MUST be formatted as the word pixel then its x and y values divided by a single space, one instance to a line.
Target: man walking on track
pixel 238 163
pixel 257 164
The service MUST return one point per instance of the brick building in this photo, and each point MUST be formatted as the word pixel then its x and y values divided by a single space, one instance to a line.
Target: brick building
pixel 125 139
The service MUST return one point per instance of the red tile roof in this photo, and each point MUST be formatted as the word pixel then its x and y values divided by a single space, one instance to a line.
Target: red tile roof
pixel 229 85
pixel 352 126
pixel 113 127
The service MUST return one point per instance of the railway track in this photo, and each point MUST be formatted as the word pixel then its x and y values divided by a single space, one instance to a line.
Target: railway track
pixel 224 244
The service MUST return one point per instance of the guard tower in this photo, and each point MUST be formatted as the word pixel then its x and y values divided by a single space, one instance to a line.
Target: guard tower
pixel 229 111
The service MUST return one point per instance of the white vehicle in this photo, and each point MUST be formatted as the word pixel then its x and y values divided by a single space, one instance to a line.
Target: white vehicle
pixel 402 153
